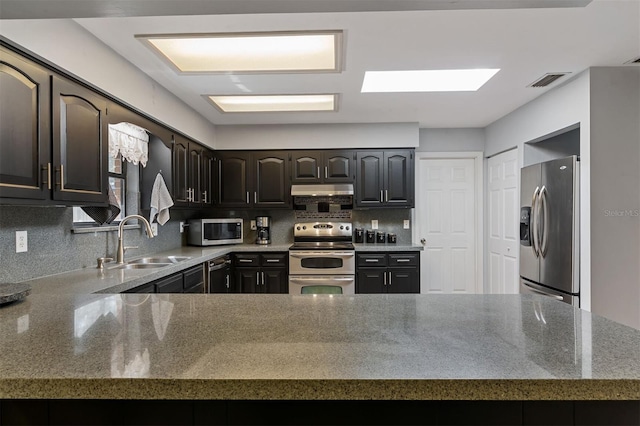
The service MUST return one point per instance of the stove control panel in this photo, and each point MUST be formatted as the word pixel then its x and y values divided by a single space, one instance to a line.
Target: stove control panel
pixel 322 229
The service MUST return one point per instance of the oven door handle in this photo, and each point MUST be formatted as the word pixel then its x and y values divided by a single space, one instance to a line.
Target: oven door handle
pixel 322 279
pixel 321 254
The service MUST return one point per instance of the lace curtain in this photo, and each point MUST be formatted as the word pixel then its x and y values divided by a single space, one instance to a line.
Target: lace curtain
pixel 129 140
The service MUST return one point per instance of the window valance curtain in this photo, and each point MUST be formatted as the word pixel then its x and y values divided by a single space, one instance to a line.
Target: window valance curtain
pixel 129 140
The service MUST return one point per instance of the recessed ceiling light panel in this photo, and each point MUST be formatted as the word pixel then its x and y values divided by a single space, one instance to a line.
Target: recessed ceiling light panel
pixel 426 80
pixel 274 103
pixel 249 52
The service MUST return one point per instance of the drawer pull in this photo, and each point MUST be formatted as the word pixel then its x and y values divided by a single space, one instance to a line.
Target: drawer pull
pixel 372 260
pixel 245 260
pixel 403 260
pixel 273 260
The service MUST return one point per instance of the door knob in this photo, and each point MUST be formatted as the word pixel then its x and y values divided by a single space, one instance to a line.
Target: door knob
pixel 423 241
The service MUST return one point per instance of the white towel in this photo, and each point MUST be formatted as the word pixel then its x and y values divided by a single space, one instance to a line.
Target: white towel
pixel 160 201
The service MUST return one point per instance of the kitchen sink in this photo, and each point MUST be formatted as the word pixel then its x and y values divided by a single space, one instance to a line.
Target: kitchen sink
pixel 141 265
pixel 158 260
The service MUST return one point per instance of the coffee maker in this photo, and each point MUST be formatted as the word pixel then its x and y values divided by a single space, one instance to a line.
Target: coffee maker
pixel 263 236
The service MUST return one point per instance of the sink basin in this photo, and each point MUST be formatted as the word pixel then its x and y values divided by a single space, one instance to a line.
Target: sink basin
pixel 141 265
pixel 158 260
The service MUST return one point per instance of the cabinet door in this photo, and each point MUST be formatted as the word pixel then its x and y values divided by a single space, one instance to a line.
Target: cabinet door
pixel 193 277
pixel 370 178
pixel 180 171
pixel 403 281
pixel 80 144
pixel 220 281
pixel 25 169
pixel 208 178
pixel 275 280
pixel 195 175
pixel 398 178
pixel 247 280
pixel 272 180
pixel 338 166
pixel 306 167
pixel 234 175
pixel 171 284
pixel 370 281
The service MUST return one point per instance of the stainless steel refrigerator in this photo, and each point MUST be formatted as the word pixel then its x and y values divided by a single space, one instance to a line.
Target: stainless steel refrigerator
pixel 550 229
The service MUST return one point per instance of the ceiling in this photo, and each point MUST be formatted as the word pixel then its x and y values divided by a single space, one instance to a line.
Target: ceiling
pixel 523 41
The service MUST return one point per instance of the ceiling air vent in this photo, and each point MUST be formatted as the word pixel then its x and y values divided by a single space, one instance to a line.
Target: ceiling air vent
pixel 547 79
pixel 634 61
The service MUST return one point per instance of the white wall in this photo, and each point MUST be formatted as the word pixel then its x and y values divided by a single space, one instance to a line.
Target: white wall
pixel 615 199
pixel 451 140
pixel 562 107
pixel 312 136
pixel 72 48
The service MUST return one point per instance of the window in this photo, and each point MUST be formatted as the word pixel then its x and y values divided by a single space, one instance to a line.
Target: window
pixel 118 184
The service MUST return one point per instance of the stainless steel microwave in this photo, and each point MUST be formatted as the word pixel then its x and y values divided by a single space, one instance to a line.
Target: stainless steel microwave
pixel 211 232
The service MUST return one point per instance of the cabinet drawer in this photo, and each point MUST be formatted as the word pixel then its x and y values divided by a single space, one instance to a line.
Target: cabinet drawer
pixel 198 288
pixel 371 259
pixel 275 259
pixel 193 277
pixel 404 259
pixel 246 260
pixel 144 288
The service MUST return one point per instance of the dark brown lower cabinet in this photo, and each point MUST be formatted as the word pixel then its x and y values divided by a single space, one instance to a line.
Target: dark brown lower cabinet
pixel 187 412
pixel 188 281
pixel 388 272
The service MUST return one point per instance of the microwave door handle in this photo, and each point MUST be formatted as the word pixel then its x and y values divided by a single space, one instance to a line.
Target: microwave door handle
pixel 545 220
pixel 533 226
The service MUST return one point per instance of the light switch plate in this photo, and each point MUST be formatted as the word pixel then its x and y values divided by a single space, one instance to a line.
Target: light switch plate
pixel 21 241
pixel 405 225
pixel 374 223
pixel 253 225
pixel 154 229
pixel 181 227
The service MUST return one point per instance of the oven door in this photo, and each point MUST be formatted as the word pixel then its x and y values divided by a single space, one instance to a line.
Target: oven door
pixel 322 262
pixel 322 284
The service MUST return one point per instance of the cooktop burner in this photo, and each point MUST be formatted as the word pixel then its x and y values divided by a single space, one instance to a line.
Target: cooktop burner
pixel 322 245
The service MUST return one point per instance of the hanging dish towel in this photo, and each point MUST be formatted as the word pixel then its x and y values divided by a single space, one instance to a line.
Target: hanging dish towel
pixel 160 201
pixel 102 215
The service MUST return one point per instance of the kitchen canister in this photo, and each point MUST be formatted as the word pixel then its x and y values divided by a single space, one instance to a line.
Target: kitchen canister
pixel 381 237
pixel 392 238
pixel 371 236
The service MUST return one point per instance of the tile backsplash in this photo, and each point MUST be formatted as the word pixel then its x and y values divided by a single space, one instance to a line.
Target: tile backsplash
pixel 53 248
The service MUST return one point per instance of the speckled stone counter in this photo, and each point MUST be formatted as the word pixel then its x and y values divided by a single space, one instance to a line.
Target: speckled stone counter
pixel 110 280
pixel 253 347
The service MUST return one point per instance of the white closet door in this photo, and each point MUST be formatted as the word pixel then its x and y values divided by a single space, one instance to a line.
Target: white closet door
pixel 447 221
pixel 503 223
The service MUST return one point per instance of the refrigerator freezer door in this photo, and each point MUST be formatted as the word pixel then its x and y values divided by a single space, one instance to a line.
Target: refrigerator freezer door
pixel 527 287
pixel 557 216
pixel 529 184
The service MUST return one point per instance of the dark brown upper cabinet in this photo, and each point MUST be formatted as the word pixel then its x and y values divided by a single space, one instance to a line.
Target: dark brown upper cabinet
pixel 80 144
pixel 192 178
pixel 254 179
pixel 385 178
pixel 25 136
pixel 330 166
pixel 208 179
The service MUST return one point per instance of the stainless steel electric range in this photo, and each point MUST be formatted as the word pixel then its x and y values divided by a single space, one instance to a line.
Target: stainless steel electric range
pixel 322 258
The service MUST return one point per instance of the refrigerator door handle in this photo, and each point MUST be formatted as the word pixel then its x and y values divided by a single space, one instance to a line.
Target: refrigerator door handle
pixel 533 229
pixel 544 201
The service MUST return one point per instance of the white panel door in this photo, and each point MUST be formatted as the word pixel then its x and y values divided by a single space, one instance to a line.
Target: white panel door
pixel 446 217
pixel 503 223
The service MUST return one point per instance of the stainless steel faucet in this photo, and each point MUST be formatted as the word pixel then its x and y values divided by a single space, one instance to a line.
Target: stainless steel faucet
pixel 121 247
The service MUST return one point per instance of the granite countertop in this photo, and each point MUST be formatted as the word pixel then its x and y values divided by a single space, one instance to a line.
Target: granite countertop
pixel 387 347
pixel 108 280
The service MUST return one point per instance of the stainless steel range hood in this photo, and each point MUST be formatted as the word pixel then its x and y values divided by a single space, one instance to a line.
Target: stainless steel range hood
pixel 321 190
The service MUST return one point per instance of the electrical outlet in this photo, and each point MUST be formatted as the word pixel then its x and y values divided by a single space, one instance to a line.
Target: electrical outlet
pixel 253 225
pixel 21 241
pixel 154 229
pixel 181 227
pixel 405 225
pixel 374 223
